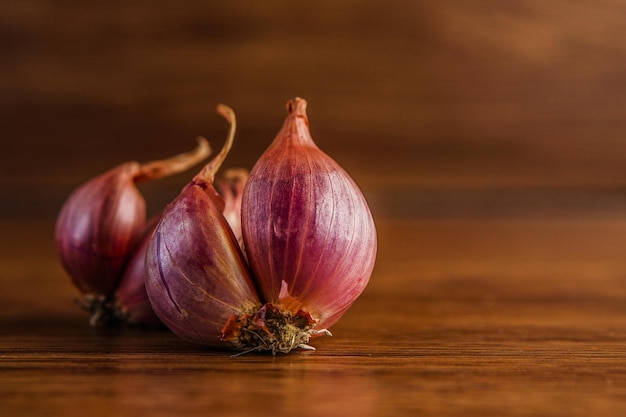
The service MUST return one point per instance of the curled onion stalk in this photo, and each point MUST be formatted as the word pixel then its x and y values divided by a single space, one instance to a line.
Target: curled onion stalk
pixel 101 223
pixel 196 275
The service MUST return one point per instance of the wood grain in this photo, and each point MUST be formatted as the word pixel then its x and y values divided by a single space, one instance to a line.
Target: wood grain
pixel 479 317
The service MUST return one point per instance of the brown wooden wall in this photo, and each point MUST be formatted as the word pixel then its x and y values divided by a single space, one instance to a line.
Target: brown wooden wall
pixel 406 94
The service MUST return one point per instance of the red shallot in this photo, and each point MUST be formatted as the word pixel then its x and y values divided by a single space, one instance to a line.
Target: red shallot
pixel 308 231
pixel 196 275
pixel 101 223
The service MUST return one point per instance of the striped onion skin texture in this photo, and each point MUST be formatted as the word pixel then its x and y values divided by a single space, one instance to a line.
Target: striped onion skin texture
pixel 196 276
pixel 306 224
pixel 97 228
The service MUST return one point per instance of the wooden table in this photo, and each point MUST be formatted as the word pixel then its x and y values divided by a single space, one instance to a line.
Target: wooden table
pixel 487 136
pixel 463 317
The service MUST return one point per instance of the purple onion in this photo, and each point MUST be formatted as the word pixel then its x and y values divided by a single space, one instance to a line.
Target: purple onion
pixel 101 223
pixel 196 275
pixel 131 303
pixel 307 228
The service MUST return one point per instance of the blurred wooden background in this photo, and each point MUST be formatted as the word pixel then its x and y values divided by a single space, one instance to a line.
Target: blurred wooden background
pixel 408 95
pixel 488 137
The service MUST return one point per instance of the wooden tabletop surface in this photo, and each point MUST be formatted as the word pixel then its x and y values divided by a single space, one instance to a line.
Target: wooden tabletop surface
pixel 488 138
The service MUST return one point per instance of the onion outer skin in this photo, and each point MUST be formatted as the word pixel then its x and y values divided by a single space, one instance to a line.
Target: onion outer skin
pixel 307 229
pixel 101 223
pixel 131 303
pixel 231 186
pixel 97 228
pixel 196 276
pixel 197 279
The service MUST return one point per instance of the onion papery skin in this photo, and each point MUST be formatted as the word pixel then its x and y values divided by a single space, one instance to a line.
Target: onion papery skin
pixel 231 186
pixel 307 227
pixel 97 228
pixel 196 276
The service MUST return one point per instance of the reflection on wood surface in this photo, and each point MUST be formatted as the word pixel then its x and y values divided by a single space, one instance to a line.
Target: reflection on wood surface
pixel 472 317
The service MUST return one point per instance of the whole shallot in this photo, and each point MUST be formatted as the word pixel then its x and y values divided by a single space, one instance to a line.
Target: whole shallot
pixel 100 226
